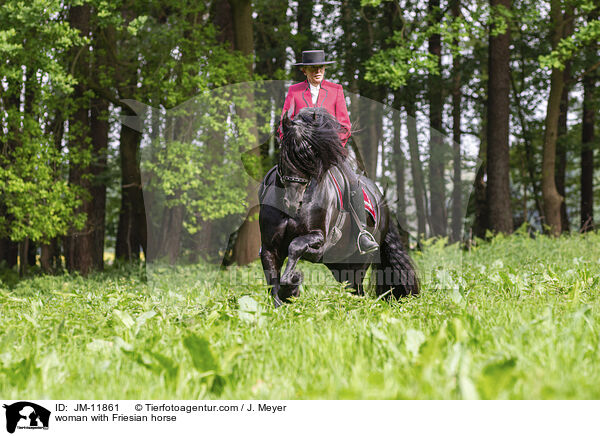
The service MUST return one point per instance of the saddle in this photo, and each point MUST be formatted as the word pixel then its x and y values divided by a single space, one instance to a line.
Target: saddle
pixel 338 179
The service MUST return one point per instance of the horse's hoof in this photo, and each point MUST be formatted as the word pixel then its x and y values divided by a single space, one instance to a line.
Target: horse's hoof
pixel 292 279
pixel 297 291
pixel 277 302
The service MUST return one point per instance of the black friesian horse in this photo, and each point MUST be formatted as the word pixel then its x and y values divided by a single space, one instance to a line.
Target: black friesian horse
pixel 302 216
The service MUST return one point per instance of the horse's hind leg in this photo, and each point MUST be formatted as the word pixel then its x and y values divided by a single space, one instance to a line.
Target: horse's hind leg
pixel 353 274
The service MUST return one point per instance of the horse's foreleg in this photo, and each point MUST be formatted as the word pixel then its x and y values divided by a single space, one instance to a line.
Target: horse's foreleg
pixel 271 263
pixel 306 245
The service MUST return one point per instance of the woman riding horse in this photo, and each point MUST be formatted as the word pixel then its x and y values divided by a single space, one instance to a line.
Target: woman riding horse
pixel 302 215
pixel 316 92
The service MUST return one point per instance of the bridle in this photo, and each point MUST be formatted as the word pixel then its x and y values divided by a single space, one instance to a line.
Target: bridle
pixel 291 178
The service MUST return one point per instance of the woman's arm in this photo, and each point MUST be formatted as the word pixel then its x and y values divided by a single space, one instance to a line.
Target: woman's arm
pixel 341 113
pixel 287 104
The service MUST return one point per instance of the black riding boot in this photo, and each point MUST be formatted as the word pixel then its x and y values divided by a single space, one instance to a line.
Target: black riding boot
pixel 366 241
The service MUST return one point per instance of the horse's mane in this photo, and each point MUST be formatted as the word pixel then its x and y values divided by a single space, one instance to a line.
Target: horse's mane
pixel 311 142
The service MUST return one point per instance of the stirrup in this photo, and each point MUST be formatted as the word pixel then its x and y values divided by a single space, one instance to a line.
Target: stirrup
pixel 371 237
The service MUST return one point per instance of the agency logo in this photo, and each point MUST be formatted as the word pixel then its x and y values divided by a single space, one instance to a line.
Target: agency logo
pixel 26 415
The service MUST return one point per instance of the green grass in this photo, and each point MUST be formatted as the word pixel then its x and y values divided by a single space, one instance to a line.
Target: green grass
pixel 514 318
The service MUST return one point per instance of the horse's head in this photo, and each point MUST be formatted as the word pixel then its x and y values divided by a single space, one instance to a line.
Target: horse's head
pixel 294 187
pixel 310 146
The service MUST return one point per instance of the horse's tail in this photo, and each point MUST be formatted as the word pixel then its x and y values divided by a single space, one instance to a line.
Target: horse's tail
pixel 395 275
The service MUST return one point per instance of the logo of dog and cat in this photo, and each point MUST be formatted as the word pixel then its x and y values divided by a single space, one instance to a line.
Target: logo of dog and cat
pixel 26 415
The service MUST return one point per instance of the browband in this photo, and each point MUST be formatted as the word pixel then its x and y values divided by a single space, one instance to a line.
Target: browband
pixel 291 178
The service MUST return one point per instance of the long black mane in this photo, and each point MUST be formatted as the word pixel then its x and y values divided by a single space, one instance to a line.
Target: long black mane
pixel 311 143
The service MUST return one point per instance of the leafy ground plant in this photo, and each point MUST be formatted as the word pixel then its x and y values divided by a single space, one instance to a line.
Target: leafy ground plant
pixel 513 318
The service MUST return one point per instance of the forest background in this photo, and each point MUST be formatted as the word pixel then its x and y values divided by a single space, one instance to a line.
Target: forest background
pixel 510 85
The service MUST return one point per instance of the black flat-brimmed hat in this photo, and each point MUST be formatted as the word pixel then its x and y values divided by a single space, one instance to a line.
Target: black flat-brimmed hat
pixel 313 57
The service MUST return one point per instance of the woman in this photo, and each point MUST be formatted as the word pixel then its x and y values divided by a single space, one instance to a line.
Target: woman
pixel 317 92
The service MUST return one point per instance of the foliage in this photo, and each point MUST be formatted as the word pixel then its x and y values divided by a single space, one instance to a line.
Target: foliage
pixel 196 162
pixel 586 34
pixel 36 202
pixel 40 207
pixel 511 319
pixel 187 157
pixel 407 54
pixel 172 52
pixel 173 58
pixel 35 34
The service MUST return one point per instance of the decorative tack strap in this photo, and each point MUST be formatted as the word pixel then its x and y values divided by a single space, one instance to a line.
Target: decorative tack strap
pixel 368 205
pixel 337 188
pixel 295 179
pixel 292 179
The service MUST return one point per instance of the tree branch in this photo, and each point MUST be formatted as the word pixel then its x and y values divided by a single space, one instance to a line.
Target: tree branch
pixel 585 73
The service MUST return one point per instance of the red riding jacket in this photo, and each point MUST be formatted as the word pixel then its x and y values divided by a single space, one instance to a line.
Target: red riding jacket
pixel 331 97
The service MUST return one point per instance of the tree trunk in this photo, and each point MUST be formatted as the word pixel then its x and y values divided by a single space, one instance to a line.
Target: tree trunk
pixel 80 242
pixel 23 256
pixel 478 197
pixel 50 257
pixel 99 130
pixel 590 109
pixel 498 112
pixel 172 230
pixel 31 254
pixel 246 246
pixel 561 145
pixel 399 165
pixel 202 240
pixel 371 112
pixel 304 37
pixel 561 164
pixel 349 67
pixel 247 243
pixel 457 212
pixel 552 199
pixel 243 34
pixel 416 168
pixel 9 251
pixel 131 231
pixel 437 203
pixel 132 228
pixel 368 139
pixel 222 19
pixel 529 163
pixel 349 49
pixel 269 28
pixel 270 51
pixel 31 86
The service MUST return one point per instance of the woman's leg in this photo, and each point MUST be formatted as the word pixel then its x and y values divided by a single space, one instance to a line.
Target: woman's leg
pixel 365 241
